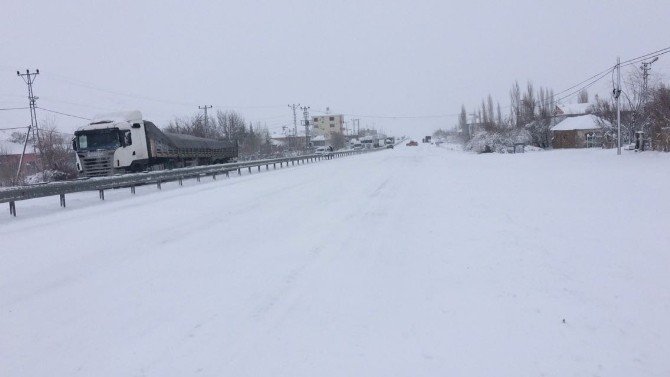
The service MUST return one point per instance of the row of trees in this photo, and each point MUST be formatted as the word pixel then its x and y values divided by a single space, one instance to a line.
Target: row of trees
pixel 645 107
pixel 530 115
pixel 225 125
pixel 527 120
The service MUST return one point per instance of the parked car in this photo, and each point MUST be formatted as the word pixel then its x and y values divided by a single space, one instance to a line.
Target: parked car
pixel 412 143
pixel 323 150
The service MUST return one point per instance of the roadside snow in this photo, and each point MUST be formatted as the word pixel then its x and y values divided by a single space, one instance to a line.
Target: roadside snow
pixel 407 262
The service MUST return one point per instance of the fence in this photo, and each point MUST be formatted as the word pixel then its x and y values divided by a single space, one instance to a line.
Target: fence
pixel 13 194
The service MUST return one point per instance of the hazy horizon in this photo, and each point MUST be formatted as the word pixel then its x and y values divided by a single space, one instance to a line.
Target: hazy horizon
pixel 371 60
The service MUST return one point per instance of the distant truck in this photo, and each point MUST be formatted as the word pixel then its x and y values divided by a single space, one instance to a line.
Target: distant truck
pixel 427 139
pixel 124 142
pixel 368 142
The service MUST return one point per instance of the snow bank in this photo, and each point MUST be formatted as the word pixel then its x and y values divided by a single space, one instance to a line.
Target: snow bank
pixel 497 141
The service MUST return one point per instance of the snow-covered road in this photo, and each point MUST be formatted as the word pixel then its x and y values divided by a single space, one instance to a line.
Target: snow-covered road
pixel 407 262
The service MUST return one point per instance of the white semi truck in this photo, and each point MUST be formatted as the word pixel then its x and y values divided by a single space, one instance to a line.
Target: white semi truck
pixel 124 142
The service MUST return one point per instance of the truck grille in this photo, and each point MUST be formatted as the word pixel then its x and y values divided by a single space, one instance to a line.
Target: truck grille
pixel 97 164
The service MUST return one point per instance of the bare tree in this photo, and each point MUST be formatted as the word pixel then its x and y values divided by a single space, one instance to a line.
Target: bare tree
pixel 528 105
pixel 583 96
pixel 515 104
pixel 232 125
pixel 463 124
pixel 337 140
pixel 56 150
pixel 659 116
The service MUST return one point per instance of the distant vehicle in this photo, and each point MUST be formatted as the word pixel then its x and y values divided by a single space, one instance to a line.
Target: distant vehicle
pixel 323 150
pixel 389 146
pixel 124 142
pixel 426 139
pixel 390 140
pixel 412 143
pixel 368 142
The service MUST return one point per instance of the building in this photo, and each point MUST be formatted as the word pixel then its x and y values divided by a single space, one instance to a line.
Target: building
pixel 579 132
pixel 320 141
pixel 328 124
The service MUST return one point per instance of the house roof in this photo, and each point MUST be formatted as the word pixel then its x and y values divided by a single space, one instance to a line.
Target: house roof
pixel 573 108
pixel 319 138
pixel 583 122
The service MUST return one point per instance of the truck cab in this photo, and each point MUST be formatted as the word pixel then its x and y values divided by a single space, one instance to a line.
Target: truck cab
pixel 111 143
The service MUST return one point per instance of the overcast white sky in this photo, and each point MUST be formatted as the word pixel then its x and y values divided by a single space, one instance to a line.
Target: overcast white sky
pixel 374 59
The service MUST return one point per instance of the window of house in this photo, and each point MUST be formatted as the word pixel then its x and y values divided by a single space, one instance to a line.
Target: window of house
pixel 332 119
pixel 332 125
pixel 316 119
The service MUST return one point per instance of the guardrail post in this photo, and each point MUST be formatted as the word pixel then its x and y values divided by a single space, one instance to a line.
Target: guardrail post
pixel 259 168
pixel 12 208
pixel 158 184
pixel 293 162
pixel 249 167
pixel 101 194
pixel 227 174
pixel 181 183
pixel 239 171
pixel 267 167
pixel 274 166
pixel 132 190
pixel 197 178
pixel 62 200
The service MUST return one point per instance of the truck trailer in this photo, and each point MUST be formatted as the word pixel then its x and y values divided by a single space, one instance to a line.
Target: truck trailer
pixel 118 143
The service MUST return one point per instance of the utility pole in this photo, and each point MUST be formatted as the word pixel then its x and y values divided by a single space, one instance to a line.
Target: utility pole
pixel 23 152
pixel 29 79
pixel 205 108
pixel 305 114
pixel 617 93
pixel 295 121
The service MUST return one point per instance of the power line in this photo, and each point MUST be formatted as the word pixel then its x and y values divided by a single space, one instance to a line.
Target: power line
pixel 646 56
pixel 13 108
pixel 91 86
pixel 65 114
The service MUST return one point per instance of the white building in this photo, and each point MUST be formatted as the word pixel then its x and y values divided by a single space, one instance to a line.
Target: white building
pixel 328 124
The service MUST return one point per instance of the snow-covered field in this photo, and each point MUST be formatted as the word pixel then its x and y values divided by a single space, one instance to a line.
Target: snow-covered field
pixel 408 262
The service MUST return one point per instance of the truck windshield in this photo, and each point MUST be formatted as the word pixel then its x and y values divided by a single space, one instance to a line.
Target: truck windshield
pixel 101 139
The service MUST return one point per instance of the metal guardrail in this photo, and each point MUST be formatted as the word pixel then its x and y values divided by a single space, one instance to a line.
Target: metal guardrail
pixel 13 194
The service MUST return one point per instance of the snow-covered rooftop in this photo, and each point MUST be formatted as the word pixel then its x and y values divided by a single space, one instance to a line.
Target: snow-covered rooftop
pixel 319 138
pixel 121 116
pixel 573 108
pixel 584 122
